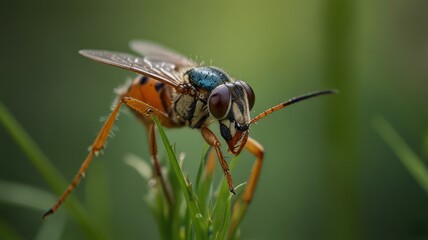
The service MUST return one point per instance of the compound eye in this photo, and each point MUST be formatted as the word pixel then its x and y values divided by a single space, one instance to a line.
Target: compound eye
pixel 250 94
pixel 219 102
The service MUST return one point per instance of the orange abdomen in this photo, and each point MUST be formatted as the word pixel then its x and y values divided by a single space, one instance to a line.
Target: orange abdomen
pixel 150 91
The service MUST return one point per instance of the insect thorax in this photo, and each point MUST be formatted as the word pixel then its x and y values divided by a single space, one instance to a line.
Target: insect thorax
pixel 193 108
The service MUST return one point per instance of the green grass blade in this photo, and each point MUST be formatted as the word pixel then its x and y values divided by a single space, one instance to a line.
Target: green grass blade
pixel 220 205
pixel 143 168
pixel 409 159
pixel 50 174
pixel 230 223
pixel 155 198
pixel 34 154
pixel 221 234
pixel 205 189
pixel 180 219
pixel 239 210
pixel 426 144
pixel 199 223
pixel 222 201
pixel 52 229
pixel 24 196
pixel 201 166
pixel 8 232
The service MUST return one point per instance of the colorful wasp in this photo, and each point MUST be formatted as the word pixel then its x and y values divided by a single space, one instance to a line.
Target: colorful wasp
pixel 182 93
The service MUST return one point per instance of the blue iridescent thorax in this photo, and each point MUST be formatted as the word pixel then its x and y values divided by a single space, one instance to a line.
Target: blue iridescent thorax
pixel 207 77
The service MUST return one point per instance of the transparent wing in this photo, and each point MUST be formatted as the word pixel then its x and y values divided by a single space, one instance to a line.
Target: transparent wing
pixel 162 71
pixel 157 53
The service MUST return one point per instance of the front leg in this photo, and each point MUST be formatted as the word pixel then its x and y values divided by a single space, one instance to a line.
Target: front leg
pixel 241 205
pixel 212 140
pixel 257 150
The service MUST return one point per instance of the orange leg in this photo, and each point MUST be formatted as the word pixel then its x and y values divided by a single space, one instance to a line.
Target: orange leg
pixel 257 150
pixel 156 164
pixel 145 109
pixel 212 140
pixel 240 206
pixel 100 140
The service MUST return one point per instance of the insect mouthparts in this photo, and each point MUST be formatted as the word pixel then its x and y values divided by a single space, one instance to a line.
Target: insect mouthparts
pixel 242 128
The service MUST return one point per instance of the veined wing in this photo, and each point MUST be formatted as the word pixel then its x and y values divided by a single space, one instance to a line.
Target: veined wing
pixel 162 71
pixel 157 53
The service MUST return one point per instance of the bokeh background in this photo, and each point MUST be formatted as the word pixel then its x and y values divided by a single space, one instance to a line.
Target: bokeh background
pixel 327 175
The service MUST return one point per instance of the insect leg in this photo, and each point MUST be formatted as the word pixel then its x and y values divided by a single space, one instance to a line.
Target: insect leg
pixel 257 150
pixel 156 164
pixel 240 206
pixel 94 149
pixel 144 109
pixel 212 140
pixel 100 141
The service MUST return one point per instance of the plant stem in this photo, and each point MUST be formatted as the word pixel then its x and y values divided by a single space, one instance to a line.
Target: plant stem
pixel 48 171
pixel 409 158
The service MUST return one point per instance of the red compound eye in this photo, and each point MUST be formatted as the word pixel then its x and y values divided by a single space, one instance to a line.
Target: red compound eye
pixel 219 102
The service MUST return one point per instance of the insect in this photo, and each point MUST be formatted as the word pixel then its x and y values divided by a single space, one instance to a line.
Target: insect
pixel 182 93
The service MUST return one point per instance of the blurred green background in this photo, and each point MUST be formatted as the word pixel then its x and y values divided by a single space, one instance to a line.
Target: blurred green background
pixel 327 173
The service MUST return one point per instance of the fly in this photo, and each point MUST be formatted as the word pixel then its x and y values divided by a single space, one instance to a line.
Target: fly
pixel 182 93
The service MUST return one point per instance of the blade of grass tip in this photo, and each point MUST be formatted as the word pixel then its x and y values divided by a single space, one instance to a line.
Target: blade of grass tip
pixel 143 168
pixel 50 174
pixel 409 159
pixel 199 223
